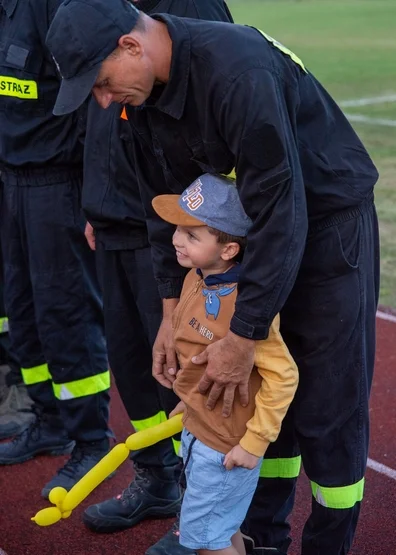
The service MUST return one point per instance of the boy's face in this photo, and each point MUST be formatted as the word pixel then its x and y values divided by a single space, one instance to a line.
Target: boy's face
pixel 196 247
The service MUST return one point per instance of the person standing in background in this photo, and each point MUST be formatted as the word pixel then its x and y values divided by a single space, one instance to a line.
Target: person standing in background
pixel 50 287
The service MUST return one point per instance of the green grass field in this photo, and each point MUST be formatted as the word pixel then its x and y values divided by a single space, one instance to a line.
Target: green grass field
pixel 350 46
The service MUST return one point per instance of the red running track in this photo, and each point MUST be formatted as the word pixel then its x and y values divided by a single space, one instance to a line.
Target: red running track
pixel 20 489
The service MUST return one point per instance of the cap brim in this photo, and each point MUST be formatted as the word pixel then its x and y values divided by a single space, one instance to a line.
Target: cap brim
pixel 73 92
pixel 168 208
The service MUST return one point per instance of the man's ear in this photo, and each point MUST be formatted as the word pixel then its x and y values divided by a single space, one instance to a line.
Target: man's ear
pixel 131 44
pixel 230 251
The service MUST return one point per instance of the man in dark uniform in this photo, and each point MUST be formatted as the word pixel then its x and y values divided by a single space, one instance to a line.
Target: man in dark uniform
pixel 213 97
pixel 50 285
pixel 132 305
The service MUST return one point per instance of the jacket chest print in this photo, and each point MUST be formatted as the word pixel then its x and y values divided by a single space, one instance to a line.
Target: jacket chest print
pixel 213 300
pixel 212 309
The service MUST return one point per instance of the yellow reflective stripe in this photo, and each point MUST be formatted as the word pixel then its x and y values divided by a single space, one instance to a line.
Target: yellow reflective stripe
pixel 177 447
pixel 36 374
pixel 20 88
pixel 283 49
pixel 147 423
pixel 4 325
pixel 344 497
pixel 281 468
pixel 81 388
pixel 232 174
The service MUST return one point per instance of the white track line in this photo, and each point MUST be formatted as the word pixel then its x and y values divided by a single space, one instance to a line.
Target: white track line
pixel 381 469
pixel 374 465
pixel 371 121
pixel 367 101
pixel 385 316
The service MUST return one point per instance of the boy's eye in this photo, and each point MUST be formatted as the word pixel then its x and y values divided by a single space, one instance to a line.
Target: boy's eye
pixel 191 235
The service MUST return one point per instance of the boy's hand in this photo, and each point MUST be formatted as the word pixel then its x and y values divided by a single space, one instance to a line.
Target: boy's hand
pixel 179 408
pixel 239 457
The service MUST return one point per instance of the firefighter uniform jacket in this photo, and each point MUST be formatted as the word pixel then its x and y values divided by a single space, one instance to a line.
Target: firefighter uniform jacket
pixel 238 99
pixel 30 135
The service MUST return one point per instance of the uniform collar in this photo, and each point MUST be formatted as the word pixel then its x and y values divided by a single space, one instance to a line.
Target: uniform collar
pixel 9 6
pixel 230 276
pixel 174 95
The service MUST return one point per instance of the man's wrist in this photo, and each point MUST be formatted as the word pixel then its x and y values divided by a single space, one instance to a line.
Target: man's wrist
pixel 240 339
pixel 168 306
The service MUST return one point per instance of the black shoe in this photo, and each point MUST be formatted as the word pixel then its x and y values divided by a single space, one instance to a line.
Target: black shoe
pixel 153 493
pixel 83 457
pixel 169 544
pixel 39 438
pixel 251 549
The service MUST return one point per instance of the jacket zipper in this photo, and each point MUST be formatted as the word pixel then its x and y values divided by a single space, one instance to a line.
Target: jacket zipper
pixel 185 303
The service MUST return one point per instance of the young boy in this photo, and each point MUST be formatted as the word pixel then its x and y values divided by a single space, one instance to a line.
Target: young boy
pixel 222 456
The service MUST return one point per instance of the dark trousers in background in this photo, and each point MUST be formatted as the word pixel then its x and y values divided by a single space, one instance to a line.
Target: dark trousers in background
pixel 328 324
pixel 52 300
pixel 14 375
pixel 133 313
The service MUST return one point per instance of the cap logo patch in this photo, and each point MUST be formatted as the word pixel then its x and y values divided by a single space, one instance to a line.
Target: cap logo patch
pixel 193 196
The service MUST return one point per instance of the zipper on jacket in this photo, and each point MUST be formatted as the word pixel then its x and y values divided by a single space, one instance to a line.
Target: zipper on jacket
pixel 186 301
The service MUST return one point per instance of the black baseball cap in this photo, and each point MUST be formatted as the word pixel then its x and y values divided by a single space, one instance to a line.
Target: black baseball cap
pixel 82 34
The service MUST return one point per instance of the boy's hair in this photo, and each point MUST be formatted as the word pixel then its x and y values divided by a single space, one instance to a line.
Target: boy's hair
pixel 224 238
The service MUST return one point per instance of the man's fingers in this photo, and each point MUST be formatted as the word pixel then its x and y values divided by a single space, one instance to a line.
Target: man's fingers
pixel 214 395
pixel 169 376
pixel 158 372
pixel 228 400
pixel 171 360
pixel 202 358
pixel 244 393
pixel 204 384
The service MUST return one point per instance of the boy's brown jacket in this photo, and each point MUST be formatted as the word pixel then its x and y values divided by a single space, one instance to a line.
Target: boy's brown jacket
pixel 202 317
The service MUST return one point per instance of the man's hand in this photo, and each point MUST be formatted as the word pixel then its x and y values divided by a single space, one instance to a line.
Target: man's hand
pixel 90 236
pixel 229 364
pixel 164 355
pixel 179 409
pixel 239 457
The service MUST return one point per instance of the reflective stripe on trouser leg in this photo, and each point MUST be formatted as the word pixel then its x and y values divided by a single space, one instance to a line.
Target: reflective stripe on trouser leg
pixel 83 387
pixel 342 497
pixel 4 325
pixel 281 468
pixel 36 374
pixel 147 423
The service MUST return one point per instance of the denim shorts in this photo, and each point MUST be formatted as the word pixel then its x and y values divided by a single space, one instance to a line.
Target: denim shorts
pixel 216 500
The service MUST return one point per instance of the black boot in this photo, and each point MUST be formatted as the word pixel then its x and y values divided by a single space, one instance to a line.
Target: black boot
pixel 153 493
pixel 83 457
pixel 43 436
pixel 169 544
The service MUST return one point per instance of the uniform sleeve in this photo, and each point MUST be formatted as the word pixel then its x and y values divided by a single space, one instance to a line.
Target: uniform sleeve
pixel 279 383
pixel 167 271
pixel 256 126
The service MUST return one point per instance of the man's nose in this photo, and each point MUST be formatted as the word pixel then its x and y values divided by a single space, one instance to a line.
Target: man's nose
pixel 103 98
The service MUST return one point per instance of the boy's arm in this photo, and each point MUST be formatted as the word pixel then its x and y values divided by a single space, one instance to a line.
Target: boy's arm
pixel 279 383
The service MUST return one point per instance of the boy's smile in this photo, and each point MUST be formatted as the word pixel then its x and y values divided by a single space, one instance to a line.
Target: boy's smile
pixel 197 247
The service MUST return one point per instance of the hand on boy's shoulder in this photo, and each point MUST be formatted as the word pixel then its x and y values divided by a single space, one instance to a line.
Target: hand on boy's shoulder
pixel 239 457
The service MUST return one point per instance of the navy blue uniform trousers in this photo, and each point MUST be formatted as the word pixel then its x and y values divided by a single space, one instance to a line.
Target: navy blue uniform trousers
pixel 52 299
pixel 133 313
pixel 328 324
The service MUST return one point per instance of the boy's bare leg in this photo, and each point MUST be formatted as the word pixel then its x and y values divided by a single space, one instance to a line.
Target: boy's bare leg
pixel 237 542
pixel 237 548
